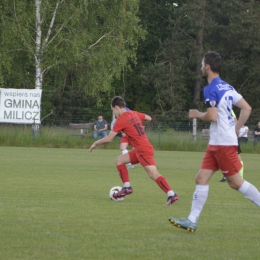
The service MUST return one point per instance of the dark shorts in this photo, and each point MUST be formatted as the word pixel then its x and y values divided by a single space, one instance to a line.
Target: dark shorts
pixel 239 149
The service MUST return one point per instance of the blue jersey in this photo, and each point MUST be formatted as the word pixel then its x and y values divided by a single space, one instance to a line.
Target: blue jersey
pixel 223 96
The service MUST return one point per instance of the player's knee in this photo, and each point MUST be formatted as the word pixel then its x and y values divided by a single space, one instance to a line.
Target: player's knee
pixel 200 180
pixel 120 160
pixel 234 185
pixel 153 174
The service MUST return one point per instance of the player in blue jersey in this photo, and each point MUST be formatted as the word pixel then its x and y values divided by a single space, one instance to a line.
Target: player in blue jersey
pixel 221 152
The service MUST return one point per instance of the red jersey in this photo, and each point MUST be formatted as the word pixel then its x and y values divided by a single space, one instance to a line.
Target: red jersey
pixel 130 123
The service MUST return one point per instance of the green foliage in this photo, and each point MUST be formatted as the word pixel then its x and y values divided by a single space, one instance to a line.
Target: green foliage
pixel 166 72
pixel 146 51
pixel 229 27
pixel 89 44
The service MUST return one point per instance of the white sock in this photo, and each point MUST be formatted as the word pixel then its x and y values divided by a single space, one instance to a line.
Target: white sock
pixel 127 184
pixel 250 192
pixel 124 152
pixel 170 193
pixel 199 199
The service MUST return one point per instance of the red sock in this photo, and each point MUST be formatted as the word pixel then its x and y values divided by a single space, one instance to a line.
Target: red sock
pixel 123 173
pixel 163 184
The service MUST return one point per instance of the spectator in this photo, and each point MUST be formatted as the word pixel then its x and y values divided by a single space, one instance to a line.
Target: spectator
pixel 257 133
pixel 100 127
pixel 243 137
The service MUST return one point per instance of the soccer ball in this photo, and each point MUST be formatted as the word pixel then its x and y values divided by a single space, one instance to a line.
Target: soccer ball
pixel 115 189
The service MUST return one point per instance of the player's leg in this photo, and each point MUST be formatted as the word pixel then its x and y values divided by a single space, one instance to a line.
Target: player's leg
pixel 121 162
pixel 161 182
pixel 146 159
pixel 241 172
pixel 199 199
pixel 235 181
pixel 208 167
pixel 247 189
pixel 123 147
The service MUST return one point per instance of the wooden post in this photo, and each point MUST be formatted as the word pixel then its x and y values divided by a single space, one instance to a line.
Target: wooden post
pixel 194 128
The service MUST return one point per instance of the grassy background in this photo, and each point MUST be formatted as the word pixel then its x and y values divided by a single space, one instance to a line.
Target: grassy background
pixel 54 204
pixel 59 137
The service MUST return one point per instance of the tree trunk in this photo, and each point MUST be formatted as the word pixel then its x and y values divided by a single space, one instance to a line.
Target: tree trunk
pixel 38 40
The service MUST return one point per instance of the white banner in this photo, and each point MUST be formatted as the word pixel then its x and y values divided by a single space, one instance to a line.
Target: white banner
pixel 20 106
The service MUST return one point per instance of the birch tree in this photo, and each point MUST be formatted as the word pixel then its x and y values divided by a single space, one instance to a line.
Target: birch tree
pixel 40 47
pixel 91 40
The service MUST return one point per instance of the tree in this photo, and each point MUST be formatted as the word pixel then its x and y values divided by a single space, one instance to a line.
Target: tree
pixel 230 27
pixel 235 33
pixel 88 42
pixel 175 52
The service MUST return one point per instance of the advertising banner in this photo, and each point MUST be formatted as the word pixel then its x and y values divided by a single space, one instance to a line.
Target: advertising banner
pixel 20 106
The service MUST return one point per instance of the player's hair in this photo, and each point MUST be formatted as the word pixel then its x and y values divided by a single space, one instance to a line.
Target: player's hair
pixel 118 101
pixel 214 60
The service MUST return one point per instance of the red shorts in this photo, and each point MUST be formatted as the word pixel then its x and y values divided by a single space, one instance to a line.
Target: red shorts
pixel 221 157
pixel 144 158
pixel 124 139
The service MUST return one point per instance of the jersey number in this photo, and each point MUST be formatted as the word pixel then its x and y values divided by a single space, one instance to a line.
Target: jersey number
pixel 139 129
pixel 229 100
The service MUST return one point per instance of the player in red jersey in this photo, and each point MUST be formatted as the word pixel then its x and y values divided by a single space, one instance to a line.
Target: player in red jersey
pixel 131 123
pixel 124 142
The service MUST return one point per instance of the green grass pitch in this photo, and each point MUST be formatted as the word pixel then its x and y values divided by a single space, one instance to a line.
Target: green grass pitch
pixel 54 204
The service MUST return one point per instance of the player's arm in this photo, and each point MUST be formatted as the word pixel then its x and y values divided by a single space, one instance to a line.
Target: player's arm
pixel 257 133
pixel 104 140
pixel 210 115
pixel 244 113
pixel 146 120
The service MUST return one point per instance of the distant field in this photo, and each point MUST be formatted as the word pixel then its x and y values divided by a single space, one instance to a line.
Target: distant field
pixel 59 137
pixel 54 205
